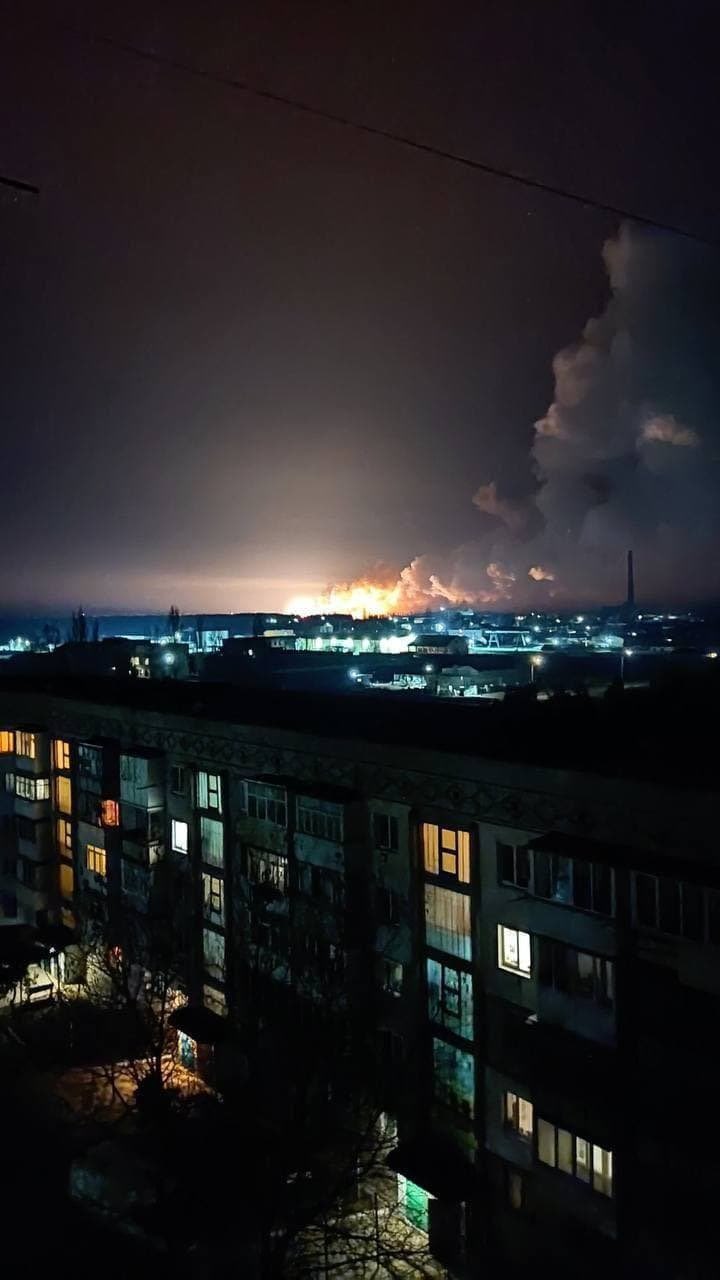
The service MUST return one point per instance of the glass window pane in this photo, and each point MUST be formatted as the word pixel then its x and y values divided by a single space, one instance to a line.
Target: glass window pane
pixel 564 1151
pixel 546 1142
pixel 669 898
pixel 525 1118
pixel 692 912
pixel 447 921
pixel 431 848
pixel 506 862
pixel 542 875
pixel 582 887
pixel 582 1159
pixel 449 839
pixel 522 868
pixel 645 899
pixel 434 972
pixel 602 889
pixel 561 879
pixel 509 954
pixel 449 863
pixel 524 952
pixel 464 856
pixel 602 1171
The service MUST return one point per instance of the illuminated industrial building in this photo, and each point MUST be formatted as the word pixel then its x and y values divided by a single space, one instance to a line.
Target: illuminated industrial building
pixel 545 940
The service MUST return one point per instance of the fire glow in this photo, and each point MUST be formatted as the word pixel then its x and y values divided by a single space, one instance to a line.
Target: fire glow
pixel 413 591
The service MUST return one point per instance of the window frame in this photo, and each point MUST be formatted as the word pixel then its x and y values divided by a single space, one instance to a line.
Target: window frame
pixel 594 868
pixel 204 791
pixel 512 1108
pixel 446 854
pixel 61 754
pixel 594 1153
pixel 263 802
pixel 391 825
pixel 26 744
pixel 520 970
pixel 95 854
pixel 175 845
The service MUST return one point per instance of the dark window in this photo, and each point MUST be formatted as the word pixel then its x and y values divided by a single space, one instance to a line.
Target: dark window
pixel 714 916
pixel 385 828
pixel 692 904
pixel 388 906
pixel 577 973
pixel 26 829
pixel 601 886
pixel 506 862
pixel 669 905
pixel 177 780
pixel 522 867
pixel 542 875
pixel 645 898
pixel 582 885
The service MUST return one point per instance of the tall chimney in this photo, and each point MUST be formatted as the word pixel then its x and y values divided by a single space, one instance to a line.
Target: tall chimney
pixel 630 581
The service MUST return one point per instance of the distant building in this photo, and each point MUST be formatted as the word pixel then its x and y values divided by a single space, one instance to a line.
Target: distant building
pixel 435 644
pixel 471 682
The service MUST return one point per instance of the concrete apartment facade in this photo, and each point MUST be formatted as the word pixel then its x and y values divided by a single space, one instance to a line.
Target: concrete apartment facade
pixel 546 944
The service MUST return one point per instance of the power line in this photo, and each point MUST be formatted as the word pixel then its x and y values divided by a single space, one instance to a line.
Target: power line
pixel 18 188
pixel 426 148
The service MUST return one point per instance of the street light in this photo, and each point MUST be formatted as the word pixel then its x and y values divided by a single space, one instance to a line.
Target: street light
pixel 535 662
pixel 626 653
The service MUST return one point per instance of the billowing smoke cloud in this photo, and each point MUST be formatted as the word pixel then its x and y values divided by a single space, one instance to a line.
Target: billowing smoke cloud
pixel 627 455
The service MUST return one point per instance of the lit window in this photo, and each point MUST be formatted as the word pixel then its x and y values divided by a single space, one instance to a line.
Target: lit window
pixel 63 795
pixel 95 860
pixel 208 791
pixel 213 898
pixel 110 813
pixel 67 881
pixel 63 832
pixel 266 802
pixel 61 753
pixel 26 744
pixel 214 953
pixel 413 1203
pixel 211 841
pixel 453 1076
pixel 447 921
pixel 7 741
pixel 31 788
pixel 587 1162
pixel 214 1000
pixel 446 852
pixel 179 834
pixel 514 953
pixel 518 1115
pixel 450 997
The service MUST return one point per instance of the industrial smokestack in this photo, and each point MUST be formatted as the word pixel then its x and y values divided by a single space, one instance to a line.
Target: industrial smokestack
pixel 630 581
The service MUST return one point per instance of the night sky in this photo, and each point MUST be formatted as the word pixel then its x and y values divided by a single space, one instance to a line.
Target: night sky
pixel 247 352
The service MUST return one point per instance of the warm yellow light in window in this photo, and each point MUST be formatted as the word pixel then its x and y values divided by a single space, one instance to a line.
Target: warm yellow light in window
pixel 95 860
pixel 7 741
pixel 63 795
pixel 431 848
pixel 63 831
pixel 25 744
pixel 61 753
pixel 67 881
pixel 464 856
pixel 110 811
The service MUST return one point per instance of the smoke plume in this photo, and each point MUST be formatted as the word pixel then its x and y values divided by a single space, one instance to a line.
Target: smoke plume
pixel 626 455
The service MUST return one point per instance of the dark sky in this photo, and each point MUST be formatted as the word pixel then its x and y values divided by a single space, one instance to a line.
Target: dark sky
pixel 245 351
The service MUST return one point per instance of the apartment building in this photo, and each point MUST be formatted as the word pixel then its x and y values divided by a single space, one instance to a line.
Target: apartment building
pixel 544 943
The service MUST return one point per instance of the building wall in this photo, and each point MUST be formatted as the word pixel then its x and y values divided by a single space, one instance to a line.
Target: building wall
pixel 575 1036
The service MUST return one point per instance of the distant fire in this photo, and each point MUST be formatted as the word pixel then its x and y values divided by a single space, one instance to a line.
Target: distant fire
pixel 414 590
